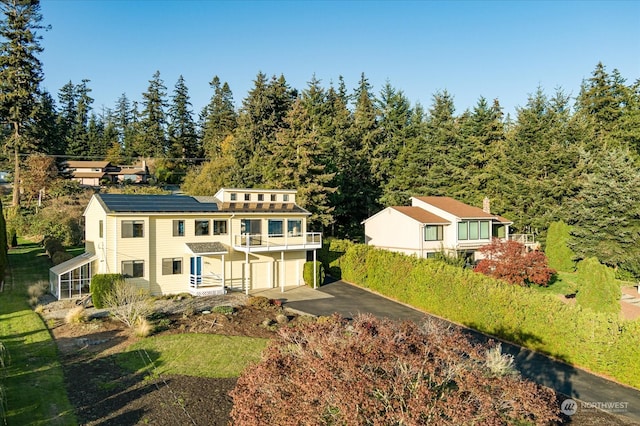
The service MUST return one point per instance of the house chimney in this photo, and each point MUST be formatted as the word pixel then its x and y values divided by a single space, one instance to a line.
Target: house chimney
pixel 486 205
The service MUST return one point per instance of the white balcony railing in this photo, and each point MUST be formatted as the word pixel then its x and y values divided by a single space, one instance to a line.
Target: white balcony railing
pixel 277 242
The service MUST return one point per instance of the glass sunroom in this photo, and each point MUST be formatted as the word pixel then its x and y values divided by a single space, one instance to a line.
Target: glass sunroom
pixel 71 279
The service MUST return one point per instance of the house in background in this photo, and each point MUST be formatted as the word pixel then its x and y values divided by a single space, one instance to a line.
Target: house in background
pixel 241 239
pixel 96 173
pixel 435 224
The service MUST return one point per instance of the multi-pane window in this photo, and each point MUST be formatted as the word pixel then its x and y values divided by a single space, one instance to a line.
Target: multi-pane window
pixel 234 196
pixel 132 229
pixel 133 268
pixel 294 227
pixel 178 228
pixel 433 233
pixel 260 197
pixel 172 266
pixel 275 228
pixel 473 230
pixel 247 197
pixel 285 197
pixel 202 227
pixel 220 227
pixel 273 197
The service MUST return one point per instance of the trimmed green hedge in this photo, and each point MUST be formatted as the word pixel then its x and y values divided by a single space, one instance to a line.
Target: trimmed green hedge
pixel 558 253
pixel 100 285
pixel 601 342
pixel 307 273
pixel 331 254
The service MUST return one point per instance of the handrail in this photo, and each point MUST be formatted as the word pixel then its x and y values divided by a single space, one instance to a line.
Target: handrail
pixel 277 240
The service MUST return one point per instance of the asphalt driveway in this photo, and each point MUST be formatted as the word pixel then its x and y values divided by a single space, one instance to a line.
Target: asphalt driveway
pixel 349 300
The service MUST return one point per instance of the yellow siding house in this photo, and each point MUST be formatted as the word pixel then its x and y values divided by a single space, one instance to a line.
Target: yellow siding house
pixel 242 239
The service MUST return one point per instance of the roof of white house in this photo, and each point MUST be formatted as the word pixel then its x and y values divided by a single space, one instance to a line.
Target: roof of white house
pixel 460 209
pixel 421 215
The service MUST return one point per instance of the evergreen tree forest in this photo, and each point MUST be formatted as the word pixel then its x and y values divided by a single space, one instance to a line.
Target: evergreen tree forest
pixel 350 152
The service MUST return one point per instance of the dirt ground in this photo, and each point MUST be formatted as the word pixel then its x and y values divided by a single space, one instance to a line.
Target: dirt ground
pixel 103 393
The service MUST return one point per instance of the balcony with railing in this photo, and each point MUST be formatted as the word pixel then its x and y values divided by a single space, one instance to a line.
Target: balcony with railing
pixel 528 240
pixel 255 243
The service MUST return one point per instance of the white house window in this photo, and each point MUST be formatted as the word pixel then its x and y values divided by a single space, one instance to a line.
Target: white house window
pixel 275 228
pixel 294 227
pixel 202 227
pixel 132 229
pixel 219 227
pixel 273 197
pixel 178 228
pixel 433 233
pixel 285 197
pixel 484 230
pixel 234 196
pixel 260 197
pixel 247 197
pixel 133 268
pixel 100 229
pixel 172 266
pixel 473 230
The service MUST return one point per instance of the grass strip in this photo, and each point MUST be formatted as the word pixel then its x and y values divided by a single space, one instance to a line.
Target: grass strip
pixel 33 381
pixel 197 355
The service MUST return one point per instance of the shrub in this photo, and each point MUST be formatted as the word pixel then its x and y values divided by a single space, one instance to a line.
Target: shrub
pixel 38 289
pixel 259 302
pixel 331 255
pixel 61 256
pixel 376 371
pixel 510 261
pixel 307 273
pixel 76 315
pixel 597 289
pixel 101 285
pixel 52 246
pixel 143 328
pixel 499 364
pixel 558 253
pixel 127 303
pixel 223 309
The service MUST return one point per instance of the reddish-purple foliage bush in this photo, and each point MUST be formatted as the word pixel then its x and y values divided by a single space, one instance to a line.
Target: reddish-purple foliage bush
pixel 380 372
pixel 510 261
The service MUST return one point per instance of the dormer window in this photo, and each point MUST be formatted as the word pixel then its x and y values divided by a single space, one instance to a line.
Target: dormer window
pixel 260 197
pixel 285 197
pixel 273 197
pixel 234 196
pixel 247 197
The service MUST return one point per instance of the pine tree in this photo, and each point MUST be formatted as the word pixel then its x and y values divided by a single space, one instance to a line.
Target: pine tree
pixel 151 140
pixel 605 214
pixel 43 129
pixel 219 119
pixel 183 140
pixel 20 74
pixel 78 135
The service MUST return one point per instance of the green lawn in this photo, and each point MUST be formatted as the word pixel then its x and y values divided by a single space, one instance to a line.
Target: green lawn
pixel 199 355
pixel 33 382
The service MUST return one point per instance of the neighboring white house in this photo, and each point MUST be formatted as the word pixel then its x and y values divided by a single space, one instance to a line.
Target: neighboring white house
pixel 435 224
pixel 167 244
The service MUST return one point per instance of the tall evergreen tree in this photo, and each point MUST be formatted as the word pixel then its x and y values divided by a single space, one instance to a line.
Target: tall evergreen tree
pixel 151 140
pixel 183 140
pixel 296 164
pixel 219 119
pixel 20 74
pixel 78 136
pixel 43 129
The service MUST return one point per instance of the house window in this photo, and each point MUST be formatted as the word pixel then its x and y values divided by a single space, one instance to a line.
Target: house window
pixel 202 227
pixel 234 196
pixel 484 230
pixel 100 228
pixel 172 266
pixel 260 197
pixel 275 228
pixel 250 226
pixel 433 233
pixel 431 255
pixel 178 228
pixel 273 197
pixel 285 197
pixel 463 233
pixel 294 227
pixel 133 268
pixel 247 197
pixel 219 227
pixel 132 229
pixel 473 230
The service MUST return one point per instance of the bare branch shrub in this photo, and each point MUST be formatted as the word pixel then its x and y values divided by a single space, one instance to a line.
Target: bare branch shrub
pixel 128 303
pixel 498 363
pixel 372 371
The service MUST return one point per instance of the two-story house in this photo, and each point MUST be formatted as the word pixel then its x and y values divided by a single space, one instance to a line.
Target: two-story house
pixel 95 173
pixel 435 224
pixel 240 239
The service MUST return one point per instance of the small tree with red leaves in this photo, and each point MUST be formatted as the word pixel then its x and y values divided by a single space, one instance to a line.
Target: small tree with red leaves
pixel 379 372
pixel 510 261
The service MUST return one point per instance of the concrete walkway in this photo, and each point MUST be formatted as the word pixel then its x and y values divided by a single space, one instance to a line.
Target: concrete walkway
pixel 349 300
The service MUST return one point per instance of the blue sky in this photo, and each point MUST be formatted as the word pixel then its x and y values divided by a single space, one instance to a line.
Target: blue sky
pixel 499 49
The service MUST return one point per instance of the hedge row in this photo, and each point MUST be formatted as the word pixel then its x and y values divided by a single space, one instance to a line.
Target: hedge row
pixel 307 273
pixel 600 342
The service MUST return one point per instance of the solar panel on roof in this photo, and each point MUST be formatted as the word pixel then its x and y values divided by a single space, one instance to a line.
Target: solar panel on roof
pixel 155 203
